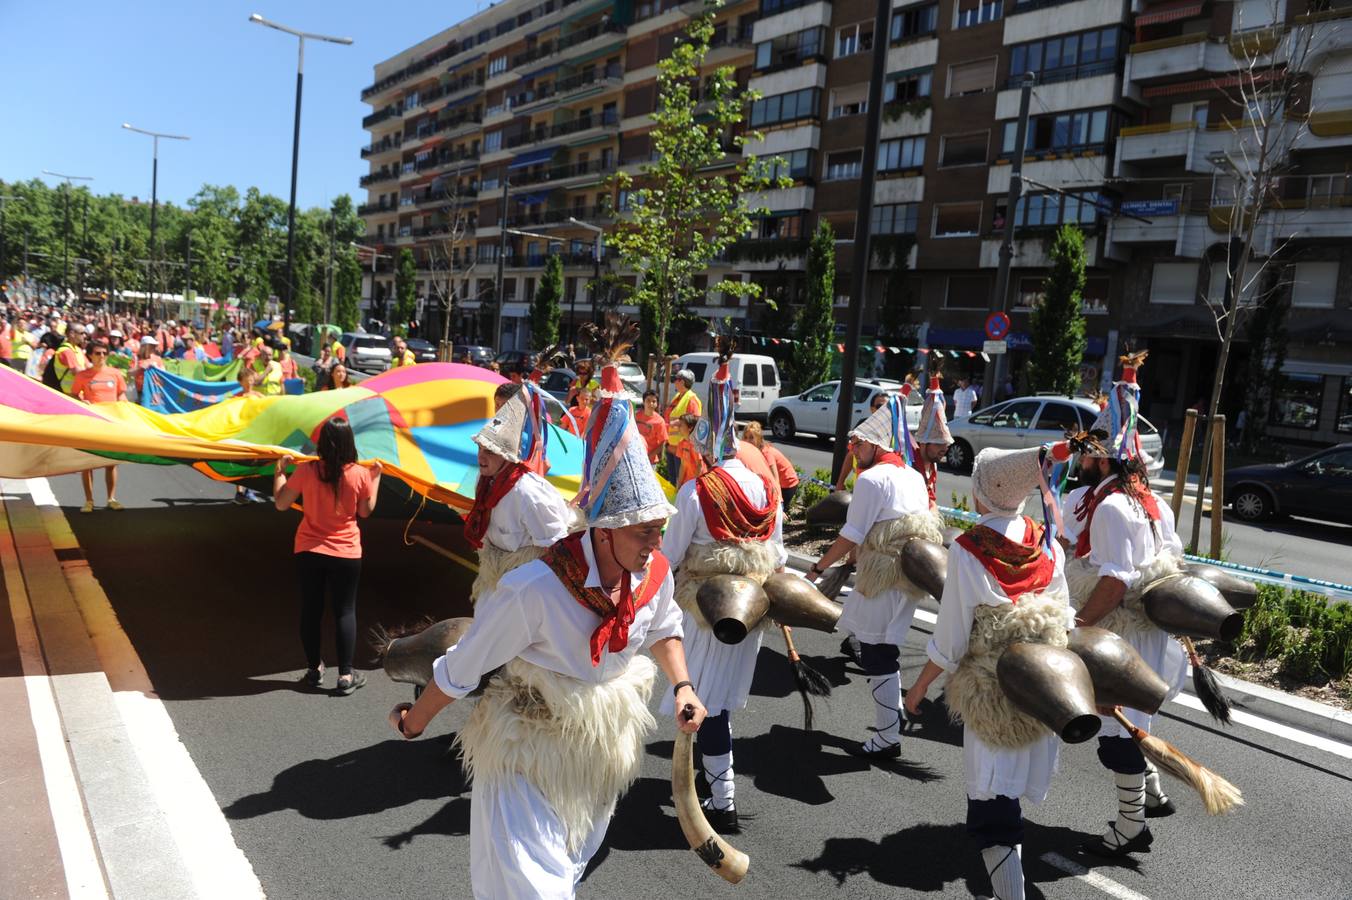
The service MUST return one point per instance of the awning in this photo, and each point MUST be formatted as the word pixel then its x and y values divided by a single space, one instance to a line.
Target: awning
pixel 1207 84
pixel 1170 13
pixel 538 72
pixel 461 102
pixel 430 143
pixel 594 139
pixel 579 60
pixel 534 199
pixel 460 63
pixel 532 157
pixel 586 11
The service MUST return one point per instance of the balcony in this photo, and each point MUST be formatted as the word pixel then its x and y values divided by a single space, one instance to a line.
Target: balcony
pixel 1186 232
pixel 541 217
pixel 1175 57
pixel 563 88
pixel 371 209
pixel 607 119
pixel 1034 19
pixel 558 174
pixel 445 197
pixel 378 177
pixel 384 145
pixel 381 115
pixel 566 42
pixel 1032 252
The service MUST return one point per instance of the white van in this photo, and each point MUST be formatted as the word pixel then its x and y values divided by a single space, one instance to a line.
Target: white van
pixel 756 379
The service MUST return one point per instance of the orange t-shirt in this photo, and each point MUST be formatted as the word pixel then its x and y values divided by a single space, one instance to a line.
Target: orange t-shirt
pixel 103 385
pixel 783 469
pixel 578 423
pixel 329 525
pixel 692 464
pixel 654 430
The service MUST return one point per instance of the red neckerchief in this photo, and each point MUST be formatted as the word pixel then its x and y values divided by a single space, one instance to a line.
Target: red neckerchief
pixel 568 561
pixel 889 458
pixel 1018 567
pixel 488 493
pixel 1089 504
pixel 929 472
pixel 727 511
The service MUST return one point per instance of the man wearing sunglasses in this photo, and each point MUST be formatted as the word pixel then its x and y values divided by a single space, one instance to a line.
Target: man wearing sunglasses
pixel 100 383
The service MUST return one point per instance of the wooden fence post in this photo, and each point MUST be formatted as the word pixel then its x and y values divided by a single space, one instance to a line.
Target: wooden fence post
pixel 1184 460
pixel 1217 482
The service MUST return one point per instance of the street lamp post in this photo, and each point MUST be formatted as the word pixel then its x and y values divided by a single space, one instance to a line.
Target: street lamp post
pixel 295 151
pixel 65 240
pixel 154 198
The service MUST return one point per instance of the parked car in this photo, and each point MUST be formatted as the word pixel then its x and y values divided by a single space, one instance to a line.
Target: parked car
pixel 511 359
pixel 1318 486
pixel 478 355
pixel 1029 421
pixel 423 351
pixel 814 410
pixel 557 381
pixel 366 352
pixel 756 379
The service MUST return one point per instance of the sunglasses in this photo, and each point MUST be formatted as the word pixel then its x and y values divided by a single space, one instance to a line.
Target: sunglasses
pixel 99 353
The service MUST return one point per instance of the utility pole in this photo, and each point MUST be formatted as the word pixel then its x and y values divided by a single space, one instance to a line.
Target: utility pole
pixel 154 199
pixel 65 248
pixel 862 228
pixel 502 260
pixel 4 198
pixel 995 368
pixel 84 245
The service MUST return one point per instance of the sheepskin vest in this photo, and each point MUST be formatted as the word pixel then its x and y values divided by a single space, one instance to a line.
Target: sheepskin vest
pixel 1128 619
pixel 880 554
pixel 753 559
pixel 973 693
pixel 495 562
pixel 579 744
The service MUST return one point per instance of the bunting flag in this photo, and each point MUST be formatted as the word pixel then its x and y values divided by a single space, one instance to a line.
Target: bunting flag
pixel 419 421
pixel 758 341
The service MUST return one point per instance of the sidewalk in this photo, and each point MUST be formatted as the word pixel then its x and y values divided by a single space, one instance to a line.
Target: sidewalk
pixel 85 819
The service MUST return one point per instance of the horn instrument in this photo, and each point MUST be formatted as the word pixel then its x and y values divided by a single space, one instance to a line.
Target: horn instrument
pixel 1052 685
pixel 733 605
pixel 1119 675
pixel 727 861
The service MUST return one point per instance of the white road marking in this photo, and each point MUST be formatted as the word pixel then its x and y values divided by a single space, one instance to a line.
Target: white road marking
pixel 216 864
pixel 1277 729
pixel 1090 877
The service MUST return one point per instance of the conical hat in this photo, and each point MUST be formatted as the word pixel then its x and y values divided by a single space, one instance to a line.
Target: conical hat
pixel 716 433
pixel 933 421
pixel 502 434
pixel 887 428
pixel 1003 479
pixel 1118 422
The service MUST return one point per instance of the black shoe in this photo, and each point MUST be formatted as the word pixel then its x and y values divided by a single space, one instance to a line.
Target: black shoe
pixel 1100 847
pixel 724 821
pixel 1162 811
pixel 850 647
pixel 862 752
pixel 313 678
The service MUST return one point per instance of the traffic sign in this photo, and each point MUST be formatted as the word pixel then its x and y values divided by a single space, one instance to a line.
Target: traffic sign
pixel 997 326
pixel 996 347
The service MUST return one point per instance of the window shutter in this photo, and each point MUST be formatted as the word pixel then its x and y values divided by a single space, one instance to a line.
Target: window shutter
pixel 971 78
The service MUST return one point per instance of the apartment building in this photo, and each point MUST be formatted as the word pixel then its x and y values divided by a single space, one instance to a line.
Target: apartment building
pixel 543 101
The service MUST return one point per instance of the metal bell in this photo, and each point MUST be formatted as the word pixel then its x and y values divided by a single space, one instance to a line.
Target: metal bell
pixel 926 565
pixel 830 510
pixel 1120 676
pixel 409 658
pixel 1191 607
pixel 1240 593
pixel 1052 685
pixel 795 602
pixel 733 605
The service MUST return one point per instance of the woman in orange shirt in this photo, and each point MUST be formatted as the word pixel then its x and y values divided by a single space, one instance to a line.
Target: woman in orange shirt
pixel 335 493
pixel 779 463
pixel 687 454
pixel 653 426
pixel 100 383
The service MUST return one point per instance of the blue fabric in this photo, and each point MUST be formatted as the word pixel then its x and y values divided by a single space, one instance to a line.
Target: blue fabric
pixel 167 393
pixel 1121 755
pixel 715 735
pixel 879 659
pixel 995 822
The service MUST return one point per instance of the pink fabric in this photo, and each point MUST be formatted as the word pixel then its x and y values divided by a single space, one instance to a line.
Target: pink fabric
pixel 23 393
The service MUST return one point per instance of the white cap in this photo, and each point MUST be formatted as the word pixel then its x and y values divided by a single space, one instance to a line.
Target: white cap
pixel 114 333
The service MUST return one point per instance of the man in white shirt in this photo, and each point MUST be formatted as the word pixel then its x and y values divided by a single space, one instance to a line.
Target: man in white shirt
pixel 517 514
pixel 558 734
pixel 889 508
pixel 728 522
pixel 963 398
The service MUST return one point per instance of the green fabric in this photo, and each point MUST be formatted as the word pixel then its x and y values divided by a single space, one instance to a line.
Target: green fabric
pixel 203 371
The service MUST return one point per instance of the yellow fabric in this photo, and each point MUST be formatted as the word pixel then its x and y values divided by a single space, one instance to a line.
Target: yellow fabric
pixel 682 404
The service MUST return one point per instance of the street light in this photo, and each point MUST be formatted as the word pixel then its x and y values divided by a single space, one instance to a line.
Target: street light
pixel 154 196
pixel 596 274
pixel 65 243
pixel 295 150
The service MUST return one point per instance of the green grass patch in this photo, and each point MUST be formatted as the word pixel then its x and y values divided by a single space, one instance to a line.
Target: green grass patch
pixel 1310 639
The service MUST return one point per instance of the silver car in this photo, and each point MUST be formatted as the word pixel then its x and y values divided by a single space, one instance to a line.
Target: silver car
pixel 1030 421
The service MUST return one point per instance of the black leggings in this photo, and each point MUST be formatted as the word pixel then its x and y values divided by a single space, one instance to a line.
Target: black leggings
pixel 335 577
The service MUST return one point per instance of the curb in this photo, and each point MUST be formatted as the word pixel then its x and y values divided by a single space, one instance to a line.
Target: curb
pixel 1264 702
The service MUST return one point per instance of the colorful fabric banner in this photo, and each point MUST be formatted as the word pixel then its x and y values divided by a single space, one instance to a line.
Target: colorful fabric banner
pixel 166 392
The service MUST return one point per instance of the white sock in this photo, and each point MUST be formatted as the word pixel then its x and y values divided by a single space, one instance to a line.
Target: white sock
pixel 1154 791
pixel 1130 809
pixel 718 772
pixel 886 690
pixel 1005 867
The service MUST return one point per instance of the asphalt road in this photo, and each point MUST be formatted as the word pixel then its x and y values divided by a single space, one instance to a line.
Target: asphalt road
pixel 325 802
pixel 1299 546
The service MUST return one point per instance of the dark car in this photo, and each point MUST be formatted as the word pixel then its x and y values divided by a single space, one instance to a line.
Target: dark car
pixel 1318 486
pixel 510 360
pixel 479 356
pixel 423 351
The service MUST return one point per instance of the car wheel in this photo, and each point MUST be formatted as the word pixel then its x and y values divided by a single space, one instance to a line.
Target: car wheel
pixel 1252 504
pixel 960 456
pixel 781 425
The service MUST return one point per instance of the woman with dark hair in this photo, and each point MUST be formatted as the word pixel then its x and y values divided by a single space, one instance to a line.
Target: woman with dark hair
pixel 334 491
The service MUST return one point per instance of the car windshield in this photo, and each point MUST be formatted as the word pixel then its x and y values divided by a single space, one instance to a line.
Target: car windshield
pixel 368 342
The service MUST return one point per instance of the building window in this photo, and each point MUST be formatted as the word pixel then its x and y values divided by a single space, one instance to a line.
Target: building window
pixel 904 87
pixel 1328 191
pixel 900 154
pixel 967 292
pixel 791 107
pixel 1061 131
pixel 488 252
pixel 842 224
pixel 1052 210
pixel 1173 283
pixel 850 101
pixel 1345 406
pixel 1065 58
pixel 492 141
pixel 790 49
pixel 977 12
pixel 1296 398
pixel 497 66
pixel 795 165
pixel 1314 284
pixel 975 77
pixel 914 21
pixel 963 149
pixel 843 165
pixel 852 39
pixel 1215 288
pixel 896 218
pixel 779 226
pixel 957 219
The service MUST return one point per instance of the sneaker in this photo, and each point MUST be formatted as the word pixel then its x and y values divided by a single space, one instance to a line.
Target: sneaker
pixel 88 507
pixel 349 683
pixel 254 496
pixel 241 498
pixel 313 678
pixel 114 505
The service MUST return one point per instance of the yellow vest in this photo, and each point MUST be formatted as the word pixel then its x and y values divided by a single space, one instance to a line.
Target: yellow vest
pixel 404 359
pixel 270 382
pixel 678 410
pixel 66 374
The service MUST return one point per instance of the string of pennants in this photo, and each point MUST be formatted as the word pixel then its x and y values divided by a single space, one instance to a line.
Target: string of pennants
pixel 752 340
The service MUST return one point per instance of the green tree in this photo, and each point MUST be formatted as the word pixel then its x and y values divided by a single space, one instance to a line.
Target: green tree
pixel 347 292
pixel 688 205
pixel 1057 322
pixel 211 233
pixel 810 361
pixel 544 308
pixel 405 291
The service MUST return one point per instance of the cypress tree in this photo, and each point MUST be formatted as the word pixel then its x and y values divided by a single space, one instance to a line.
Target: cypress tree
pixel 815 328
pixel 1058 319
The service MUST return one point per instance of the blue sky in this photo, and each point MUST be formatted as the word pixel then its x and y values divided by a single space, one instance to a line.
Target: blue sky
pixel 75 71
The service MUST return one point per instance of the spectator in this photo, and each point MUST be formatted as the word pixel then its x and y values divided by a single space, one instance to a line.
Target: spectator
pixel 287 364
pixel 268 372
pixel 684 403
pixel 6 343
pixel 689 461
pixel 228 345
pixel 69 359
pixel 149 358
pixel 40 366
pixel 495 366
pixel 847 466
pixel 779 463
pixel 23 346
pixel 324 367
pixel 401 356
pixel 191 351
pixel 580 412
pixel 505 392
pixel 99 383
pixel 964 396
pixel 246 378
pixel 653 426
pixel 339 378
pixel 335 493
